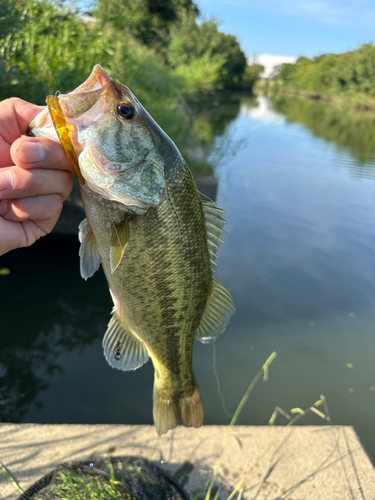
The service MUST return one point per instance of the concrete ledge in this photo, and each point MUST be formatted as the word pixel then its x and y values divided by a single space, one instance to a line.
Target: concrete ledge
pixel 294 463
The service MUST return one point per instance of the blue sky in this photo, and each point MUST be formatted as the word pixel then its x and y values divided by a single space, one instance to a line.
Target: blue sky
pixel 294 28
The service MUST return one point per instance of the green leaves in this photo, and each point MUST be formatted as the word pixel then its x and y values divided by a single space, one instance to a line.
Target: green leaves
pixel 207 58
pixel 333 74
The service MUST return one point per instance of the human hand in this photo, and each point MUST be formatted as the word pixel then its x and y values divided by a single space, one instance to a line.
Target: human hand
pixel 35 178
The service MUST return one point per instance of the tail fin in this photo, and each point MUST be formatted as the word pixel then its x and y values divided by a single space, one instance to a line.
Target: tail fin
pixel 171 410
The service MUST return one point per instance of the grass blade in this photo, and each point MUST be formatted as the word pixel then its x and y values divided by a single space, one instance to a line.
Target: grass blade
pixel 300 413
pixel 8 476
pixel 276 412
pixel 263 371
pixel 217 493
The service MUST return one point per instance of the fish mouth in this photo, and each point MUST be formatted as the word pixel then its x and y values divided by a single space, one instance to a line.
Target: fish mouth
pixel 68 106
pixel 98 79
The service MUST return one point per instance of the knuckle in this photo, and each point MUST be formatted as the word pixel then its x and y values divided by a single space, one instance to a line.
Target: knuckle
pixel 22 180
pixel 55 154
pixel 56 203
pixel 13 101
pixel 67 183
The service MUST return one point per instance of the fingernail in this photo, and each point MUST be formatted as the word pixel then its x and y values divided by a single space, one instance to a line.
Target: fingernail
pixel 6 180
pixel 3 208
pixel 30 152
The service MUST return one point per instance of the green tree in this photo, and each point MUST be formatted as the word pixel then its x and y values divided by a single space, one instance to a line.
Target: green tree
pixel 252 74
pixel 148 21
pixel 197 44
pixel 348 73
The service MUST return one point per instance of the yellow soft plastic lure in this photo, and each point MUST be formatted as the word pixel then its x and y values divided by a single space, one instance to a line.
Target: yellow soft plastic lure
pixel 63 132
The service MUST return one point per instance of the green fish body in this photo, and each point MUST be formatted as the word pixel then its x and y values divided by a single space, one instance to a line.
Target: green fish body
pixel 156 241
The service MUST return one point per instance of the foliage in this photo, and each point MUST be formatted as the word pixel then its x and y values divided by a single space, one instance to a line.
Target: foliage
pixel 202 48
pixel 202 73
pixel 50 52
pixel 348 73
pixel 252 75
pixel 81 487
pixel 148 21
pixel 56 50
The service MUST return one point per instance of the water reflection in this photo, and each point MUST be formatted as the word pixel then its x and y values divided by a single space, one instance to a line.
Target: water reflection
pixel 299 260
pixel 261 109
pixel 351 131
pixel 45 312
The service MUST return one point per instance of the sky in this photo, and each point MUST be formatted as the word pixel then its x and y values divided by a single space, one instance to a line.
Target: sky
pixel 292 27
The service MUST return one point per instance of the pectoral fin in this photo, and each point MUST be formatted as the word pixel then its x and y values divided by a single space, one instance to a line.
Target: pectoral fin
pixel 122 349
pixel 120 237
pixel 88 251
pixel 218 311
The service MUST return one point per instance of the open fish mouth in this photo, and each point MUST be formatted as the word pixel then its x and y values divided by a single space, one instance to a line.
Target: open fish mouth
pixel 97 80
pixel 95 83
pixel 64 107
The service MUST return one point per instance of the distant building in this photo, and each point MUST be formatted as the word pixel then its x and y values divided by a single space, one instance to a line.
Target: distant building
pixel 272 64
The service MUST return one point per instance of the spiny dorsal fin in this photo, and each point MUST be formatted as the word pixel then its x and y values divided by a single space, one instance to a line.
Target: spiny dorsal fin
pixel 214 226
pixel 88 251
pixel 122 349
pixel 219 308
pixel 120 238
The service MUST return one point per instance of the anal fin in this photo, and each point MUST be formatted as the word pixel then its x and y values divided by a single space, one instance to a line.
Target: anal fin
pixel 217 313
pixel 122 349
pixel 88 251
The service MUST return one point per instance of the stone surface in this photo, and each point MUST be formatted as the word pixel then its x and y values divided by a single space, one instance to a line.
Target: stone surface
pixel 296 463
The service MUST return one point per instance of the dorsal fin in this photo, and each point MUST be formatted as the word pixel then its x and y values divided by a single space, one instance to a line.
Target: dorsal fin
pixel 217 313
pixel 214 226
pixel 120 238
pixel 122 349
pixel 88 251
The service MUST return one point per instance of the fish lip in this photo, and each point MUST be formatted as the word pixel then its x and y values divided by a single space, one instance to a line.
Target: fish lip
pixel 98 78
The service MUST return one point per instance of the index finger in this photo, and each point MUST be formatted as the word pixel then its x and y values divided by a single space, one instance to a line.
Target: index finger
pixel 40 152
pixel 15 116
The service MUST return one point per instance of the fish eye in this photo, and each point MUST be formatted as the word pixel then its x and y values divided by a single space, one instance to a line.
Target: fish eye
pixel 126 110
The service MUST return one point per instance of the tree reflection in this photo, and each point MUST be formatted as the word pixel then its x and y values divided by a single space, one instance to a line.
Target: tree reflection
pixel 46 310
pixel 347 128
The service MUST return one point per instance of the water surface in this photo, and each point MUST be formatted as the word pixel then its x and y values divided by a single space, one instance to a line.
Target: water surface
pixel 297 181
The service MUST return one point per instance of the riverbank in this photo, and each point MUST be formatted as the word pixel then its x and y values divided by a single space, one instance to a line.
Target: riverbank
pixel 356 102
pixel 299 461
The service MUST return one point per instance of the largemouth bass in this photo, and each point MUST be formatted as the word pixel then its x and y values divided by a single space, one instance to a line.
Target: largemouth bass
pixel 155 239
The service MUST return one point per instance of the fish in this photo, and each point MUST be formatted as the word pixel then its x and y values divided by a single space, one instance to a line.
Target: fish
pixel 156 240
